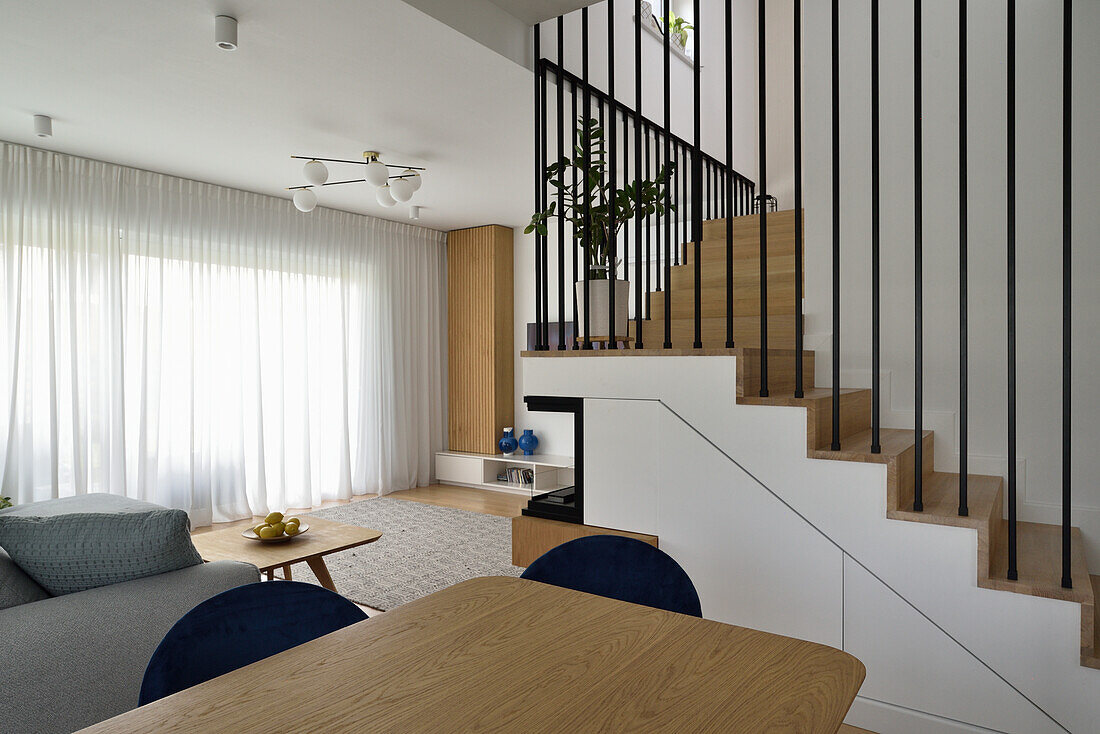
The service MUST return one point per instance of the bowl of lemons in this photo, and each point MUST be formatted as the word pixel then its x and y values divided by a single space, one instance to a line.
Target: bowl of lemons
pixel 276 529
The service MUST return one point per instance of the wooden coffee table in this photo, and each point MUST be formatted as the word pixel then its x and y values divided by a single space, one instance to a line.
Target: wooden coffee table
pixel 322 538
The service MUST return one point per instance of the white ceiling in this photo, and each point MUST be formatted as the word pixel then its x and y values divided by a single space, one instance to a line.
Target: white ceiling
pixel 536 11
pixel 142 84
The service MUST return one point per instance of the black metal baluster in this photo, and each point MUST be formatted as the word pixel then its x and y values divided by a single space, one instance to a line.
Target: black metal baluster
pixel 708 174
pixel 696 191
pixel 762 79
pixel 538 185
pixel 723 179
pixel 612 115
pixel 876 241
pixel 576 141
pixel 963 276
pixel 1011 216
pixel 678 200
pixel 835 445
pixel 587 141
pixel 798 346
pixel 1067 282
pixel 668 189
pixel 656 276
pixel 729 172
pixel 561 183
pixel 546 201
pixel 625 250
pixel 918 266
pixel 684 203
pixel 638 343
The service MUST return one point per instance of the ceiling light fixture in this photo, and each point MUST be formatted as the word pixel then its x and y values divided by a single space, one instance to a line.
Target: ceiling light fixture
pixel 390 189
pixel 316 173
pixel 225 32
pixel 305 200
pixel 414 212
pixel 43 126
pixel 385 197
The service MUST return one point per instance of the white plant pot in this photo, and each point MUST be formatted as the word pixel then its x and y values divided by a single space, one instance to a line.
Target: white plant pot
pixel 597 301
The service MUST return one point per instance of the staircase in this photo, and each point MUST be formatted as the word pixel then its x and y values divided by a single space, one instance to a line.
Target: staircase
pixel 746 288
pixel 1038 545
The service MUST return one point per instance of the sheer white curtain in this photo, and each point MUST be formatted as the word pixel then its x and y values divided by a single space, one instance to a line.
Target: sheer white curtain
pixel 207 348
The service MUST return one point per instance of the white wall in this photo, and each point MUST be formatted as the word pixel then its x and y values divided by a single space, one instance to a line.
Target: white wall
pixel 1039 151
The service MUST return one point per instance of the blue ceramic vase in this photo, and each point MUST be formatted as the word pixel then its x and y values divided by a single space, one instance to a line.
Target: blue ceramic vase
pixel 507 444
pixel 528 442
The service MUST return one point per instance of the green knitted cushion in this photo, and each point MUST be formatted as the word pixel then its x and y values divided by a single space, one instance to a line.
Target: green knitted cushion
pixel 65 553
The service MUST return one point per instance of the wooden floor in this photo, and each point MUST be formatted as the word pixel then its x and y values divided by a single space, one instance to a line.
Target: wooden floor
pixel 486 501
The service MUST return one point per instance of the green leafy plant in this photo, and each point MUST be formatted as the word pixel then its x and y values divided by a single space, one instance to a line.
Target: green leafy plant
pixel 589 201
pixel 678 26
pixel 5 502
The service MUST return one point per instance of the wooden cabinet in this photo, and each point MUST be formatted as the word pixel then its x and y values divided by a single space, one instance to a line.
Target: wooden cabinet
pixel 480 357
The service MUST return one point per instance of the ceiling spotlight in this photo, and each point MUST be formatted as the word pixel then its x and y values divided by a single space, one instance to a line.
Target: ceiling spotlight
pixel 316 173
pixel 414 212
pixel 225 32
pixel 384 197
pixel 305 200
pixel 43 126
pixel 412 177
pixel 401 189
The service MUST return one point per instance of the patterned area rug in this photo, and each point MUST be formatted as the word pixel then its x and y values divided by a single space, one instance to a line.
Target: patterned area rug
pixel 423 549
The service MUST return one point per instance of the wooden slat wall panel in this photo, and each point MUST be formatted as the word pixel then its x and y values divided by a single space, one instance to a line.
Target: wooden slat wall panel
pixel 479 334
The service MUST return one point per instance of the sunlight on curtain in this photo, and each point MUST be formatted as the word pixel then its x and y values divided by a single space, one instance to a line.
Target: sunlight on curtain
pixel 207 348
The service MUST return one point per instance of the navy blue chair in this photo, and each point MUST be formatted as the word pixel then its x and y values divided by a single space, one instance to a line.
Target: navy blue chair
pixel 239 627
pixel 619 568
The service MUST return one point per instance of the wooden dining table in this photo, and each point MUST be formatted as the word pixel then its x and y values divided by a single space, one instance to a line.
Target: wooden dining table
pixel 504 654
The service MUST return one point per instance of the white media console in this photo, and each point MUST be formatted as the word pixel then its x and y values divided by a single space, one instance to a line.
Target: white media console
pixel 481 470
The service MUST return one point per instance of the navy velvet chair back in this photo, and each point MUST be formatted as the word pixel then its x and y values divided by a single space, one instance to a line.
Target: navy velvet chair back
pixel 619 568
pixel 239 627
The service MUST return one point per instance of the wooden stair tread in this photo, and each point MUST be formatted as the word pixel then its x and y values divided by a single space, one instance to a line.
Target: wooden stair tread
pixel 1039 563
pixel 1089 658
pixel 940 493
pixel 857 447
pixel 809 396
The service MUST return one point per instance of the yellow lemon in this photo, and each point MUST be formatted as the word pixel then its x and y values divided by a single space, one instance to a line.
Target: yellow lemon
pixel 260 527
pixel 294 520
pixel 274 518
pixel 292 529
pixel 278 528
pixel 270 532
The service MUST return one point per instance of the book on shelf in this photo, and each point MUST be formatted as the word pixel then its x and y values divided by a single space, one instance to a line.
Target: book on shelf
pixel 517 475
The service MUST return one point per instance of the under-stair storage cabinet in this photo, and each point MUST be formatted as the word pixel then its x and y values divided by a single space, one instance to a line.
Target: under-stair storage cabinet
pixel 480 358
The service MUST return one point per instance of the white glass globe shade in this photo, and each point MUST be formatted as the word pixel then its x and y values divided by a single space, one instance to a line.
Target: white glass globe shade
pixel 376 173
pixel 305 200
pixel 414 178
pixel 384 197
pixel 401 189
pixel 316 173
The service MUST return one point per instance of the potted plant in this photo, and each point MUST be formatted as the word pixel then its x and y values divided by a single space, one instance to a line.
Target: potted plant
pixel 678 29
pixel 592 230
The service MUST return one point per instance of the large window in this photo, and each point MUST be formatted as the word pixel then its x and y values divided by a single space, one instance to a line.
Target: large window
pixel 207 348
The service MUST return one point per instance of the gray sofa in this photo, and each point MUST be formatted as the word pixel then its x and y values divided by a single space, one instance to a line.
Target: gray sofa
pixel 70 661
